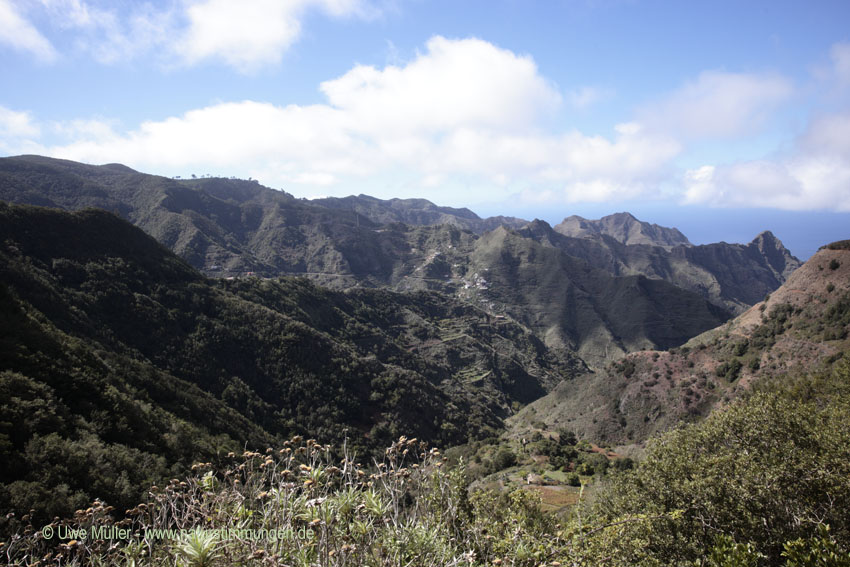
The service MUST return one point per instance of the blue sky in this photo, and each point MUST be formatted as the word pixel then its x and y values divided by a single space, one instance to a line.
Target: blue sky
pixel 720 118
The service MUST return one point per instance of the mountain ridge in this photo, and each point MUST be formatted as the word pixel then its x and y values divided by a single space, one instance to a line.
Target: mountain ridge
pixel 732 276
pixel 417 212
pixel 228 227
pixel 624 228
pixel 800 327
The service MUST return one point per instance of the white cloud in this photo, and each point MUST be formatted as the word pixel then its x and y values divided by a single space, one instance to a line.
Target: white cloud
pixel 246 35
pixel 462 109
pixel 718 105
pixel 840 55
pixel 597 169
pixel 828 135
pixel 250 34
pixel 835 77
pixel 456 83
pixel 243 34
pixel 109 35
pixel 298 139
pixel 586 96
pixel 20 34
pixel 814 175
pixel 18 131
pixel 73 13
pixel 14 124
pixel 97 130
pixel 317 179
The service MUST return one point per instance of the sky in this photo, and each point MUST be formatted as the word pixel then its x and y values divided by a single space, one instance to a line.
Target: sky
pixel 721 118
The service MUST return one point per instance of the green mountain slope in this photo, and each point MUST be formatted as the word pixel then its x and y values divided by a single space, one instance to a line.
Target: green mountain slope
pixel 576 306
pixel 116 352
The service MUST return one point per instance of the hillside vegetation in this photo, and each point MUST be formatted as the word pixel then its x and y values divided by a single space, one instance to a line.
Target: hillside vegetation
pixel 732 276
pixel 120 363
pixel 765 482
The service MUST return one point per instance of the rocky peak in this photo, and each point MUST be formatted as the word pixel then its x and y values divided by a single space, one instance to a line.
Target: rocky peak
pixel 537 227
pixel 539 231
pixel 778 257
pixel 624 228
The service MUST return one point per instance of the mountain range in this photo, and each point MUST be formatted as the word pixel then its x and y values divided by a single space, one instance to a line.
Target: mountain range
pixel 161 321
pixel 227 228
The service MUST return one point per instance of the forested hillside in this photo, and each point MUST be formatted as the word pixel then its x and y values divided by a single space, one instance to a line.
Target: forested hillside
pixel 115 352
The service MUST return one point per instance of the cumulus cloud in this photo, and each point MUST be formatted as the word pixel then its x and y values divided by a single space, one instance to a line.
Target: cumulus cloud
pixel 249 34
pixel 18 33
pixel 18 130
pixel 243 34
pixel 456 83
pixel 460 109
pixel 813 174
pixel 17 124
pixel 718 105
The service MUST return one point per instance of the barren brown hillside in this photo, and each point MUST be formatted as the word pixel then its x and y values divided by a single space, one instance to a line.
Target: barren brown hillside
pixel 800 327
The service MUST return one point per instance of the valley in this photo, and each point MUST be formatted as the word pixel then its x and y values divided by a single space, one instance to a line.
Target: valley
pixel 173 322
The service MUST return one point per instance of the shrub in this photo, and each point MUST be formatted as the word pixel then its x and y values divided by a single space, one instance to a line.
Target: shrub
pixel 729 370
pixel 566 437
pixel 839 245
pixel 504 459
pixel 796 437
pixel 598 461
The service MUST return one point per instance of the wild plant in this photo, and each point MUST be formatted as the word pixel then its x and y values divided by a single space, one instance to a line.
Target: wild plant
pixel 299 506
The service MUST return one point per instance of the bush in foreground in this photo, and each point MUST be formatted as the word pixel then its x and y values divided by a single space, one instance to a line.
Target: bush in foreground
pixel 764 482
